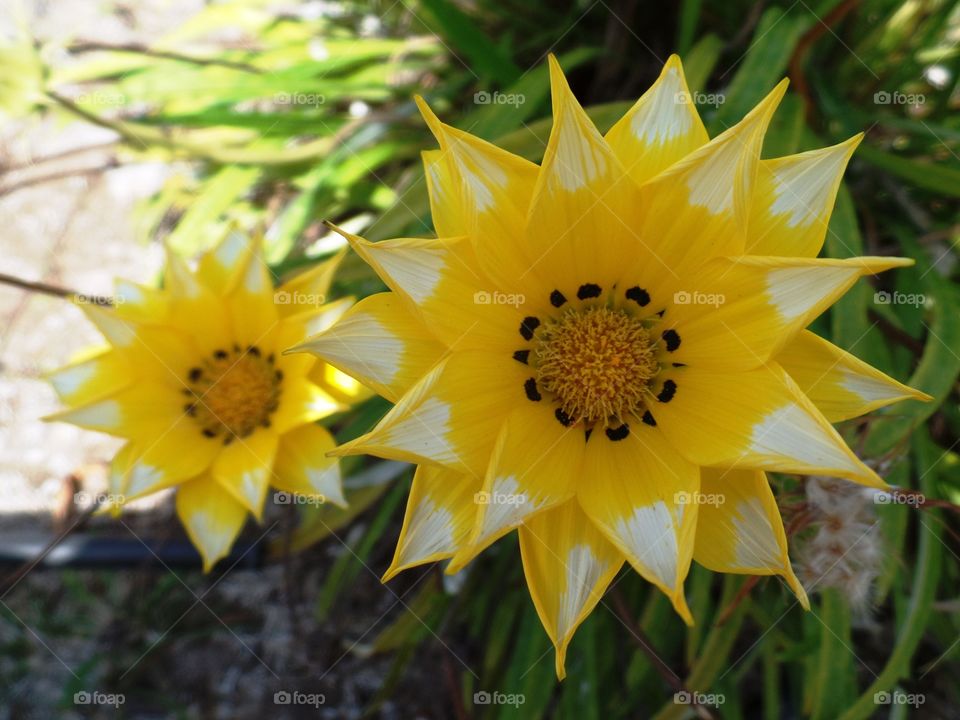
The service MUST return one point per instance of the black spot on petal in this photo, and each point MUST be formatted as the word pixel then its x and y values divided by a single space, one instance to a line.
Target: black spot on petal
pixel 672 339
pixel 253 350
pixel 195 374
pixel 220 354
pixel 667 392
pixel 207 432
pixel 557 298
pixel 530 387
pixel 522 356
pixel 587 433
pixel 640 296
pixel 618 433
pixel 563 418
pixel 648 419
pixel 529 324
pixel 589 290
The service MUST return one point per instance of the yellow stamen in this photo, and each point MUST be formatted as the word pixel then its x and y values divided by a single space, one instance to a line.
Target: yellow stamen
pixel 598 363
pixel 234 393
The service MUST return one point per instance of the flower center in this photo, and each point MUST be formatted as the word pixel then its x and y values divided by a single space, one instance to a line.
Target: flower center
pixel 597 362
pixel 233 393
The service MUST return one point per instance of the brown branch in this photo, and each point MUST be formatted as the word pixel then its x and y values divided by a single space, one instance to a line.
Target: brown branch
pixel 806 41
pixel 83 46
pixel 646 646
pixel 53 290
pixel 63 175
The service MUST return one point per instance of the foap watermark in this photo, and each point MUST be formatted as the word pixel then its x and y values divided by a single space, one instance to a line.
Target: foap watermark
pixel 913 499
pixel 82 497
pixel 482 697
pixel 285 297
pixel 85 697
pixel 499 498
pixel 693 697
pixel 291 498
pixel 299 98
pixel 896 97
pixel 484 297
pixel 295 697
pixel 103 98
pixel 898 697
pixel 700 98
pixel 699 498
pixel 684 297
pixel 482 97
pixel 81 299
pixel 884 297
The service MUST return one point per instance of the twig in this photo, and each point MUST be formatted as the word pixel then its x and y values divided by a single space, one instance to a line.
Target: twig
pixel 646 646
pixel 16 576
pixel 111 164
pixel 57 156
pixel 54 290
pixel 895 333
pixel 83 46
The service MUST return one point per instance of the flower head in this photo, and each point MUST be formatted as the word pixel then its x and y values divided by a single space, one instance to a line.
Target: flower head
pixel 194 379
pixel 607 351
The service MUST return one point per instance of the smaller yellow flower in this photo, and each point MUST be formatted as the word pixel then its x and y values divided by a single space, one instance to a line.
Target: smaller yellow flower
pixel 195 380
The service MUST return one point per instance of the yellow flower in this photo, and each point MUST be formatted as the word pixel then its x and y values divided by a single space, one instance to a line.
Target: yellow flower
pixel 607 351
pixel 194 379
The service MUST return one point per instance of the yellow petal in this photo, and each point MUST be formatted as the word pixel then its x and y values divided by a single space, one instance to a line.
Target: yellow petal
pixel 250 302
pixel 211 518
pixel 168 458
pixel 793 198
pixel 82 382
pixel 568 565
pixel 244 468
pixel 634 490
pixel 338 385
pixel 141 410
pixel 199 312
pixel 735 314
pixel 739 529
pixel 310 289
pixel 295 328
pixel 379 342
pixel 535 465
pixel 579 229
pixel 697 209
pixel 140 303
pixel 303 466
pixel 440 513
pixel 451 417
pixel 661 128
pixel 220 268
pixel 839 384
pixel 483 192
pixel 302 402
pixel 754 419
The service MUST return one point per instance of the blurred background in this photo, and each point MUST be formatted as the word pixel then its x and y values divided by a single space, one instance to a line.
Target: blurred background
pixel 130 123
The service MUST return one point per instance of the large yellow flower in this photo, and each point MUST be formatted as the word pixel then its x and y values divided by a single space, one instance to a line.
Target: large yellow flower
pixel 194 378
pixel 607 351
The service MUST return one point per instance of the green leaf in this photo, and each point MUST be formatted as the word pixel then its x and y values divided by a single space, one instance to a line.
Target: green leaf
pixel 936 177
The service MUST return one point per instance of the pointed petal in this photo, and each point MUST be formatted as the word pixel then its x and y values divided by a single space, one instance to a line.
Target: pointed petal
pixel 219 268
pixel 440 513
pixel 754 419
pixel 82 382
pixel 839 384
pixel 303 466
pixel 440 281
pixel 244 469
pixel 310 289
pixel 568 565
pixel 211 518
pixel 451 417
pixel 488 191
pixel 302 402
pixel 138 411
pixel 634 490
pixel 250 302
pixel 794 195
pixel 535 465
pixel 294 329
pixel 697 209
pixel 140 303
pixel 739 529
pixel 736 313
pixel 579 227
pixel 661 128
pixel 168 458
pixel 381 343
